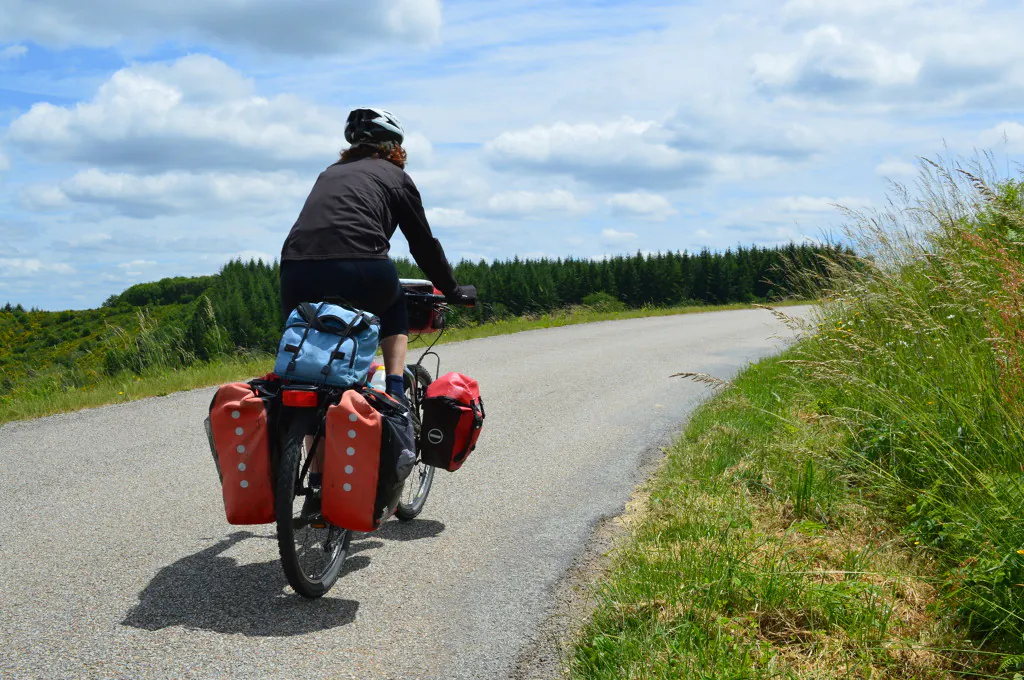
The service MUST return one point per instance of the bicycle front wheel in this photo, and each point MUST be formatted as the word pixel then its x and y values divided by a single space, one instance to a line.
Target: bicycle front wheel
pixel 417 486
pixel 312 550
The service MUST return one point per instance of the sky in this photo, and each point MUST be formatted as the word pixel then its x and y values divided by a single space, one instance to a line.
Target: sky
pixel 147 139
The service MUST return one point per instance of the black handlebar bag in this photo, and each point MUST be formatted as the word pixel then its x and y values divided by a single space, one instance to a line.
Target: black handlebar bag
pixel 453 415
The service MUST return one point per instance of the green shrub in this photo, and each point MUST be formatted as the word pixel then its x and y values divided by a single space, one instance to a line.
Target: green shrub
pixel 603 302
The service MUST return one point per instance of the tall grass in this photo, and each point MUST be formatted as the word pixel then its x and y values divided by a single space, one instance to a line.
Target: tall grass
pixel 919 356
pixel 853 508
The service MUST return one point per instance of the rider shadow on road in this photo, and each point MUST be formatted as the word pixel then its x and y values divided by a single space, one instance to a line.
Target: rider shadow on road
pixel 414 530
pixel 209 591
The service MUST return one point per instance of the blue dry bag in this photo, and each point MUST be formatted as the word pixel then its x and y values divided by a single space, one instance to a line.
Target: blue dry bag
pixel 327 344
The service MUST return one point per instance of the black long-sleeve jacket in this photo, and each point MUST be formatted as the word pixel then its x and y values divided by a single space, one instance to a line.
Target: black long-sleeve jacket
pixel 353 211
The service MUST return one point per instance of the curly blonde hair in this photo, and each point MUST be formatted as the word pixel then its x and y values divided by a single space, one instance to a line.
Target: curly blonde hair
pixel 391 152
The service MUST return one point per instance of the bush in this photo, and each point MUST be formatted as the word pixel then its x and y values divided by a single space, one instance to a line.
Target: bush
pixel 603 302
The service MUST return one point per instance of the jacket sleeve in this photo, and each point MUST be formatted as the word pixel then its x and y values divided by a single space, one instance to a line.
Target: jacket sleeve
pixel 425 249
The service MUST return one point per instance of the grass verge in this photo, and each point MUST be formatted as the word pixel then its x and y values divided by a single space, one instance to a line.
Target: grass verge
pixel 48 398
pixel 756 558
pixel 853 508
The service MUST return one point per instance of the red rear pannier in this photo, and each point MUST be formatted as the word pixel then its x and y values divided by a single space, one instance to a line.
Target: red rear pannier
pixel 453 413
pixel 352 464
pixel 240 439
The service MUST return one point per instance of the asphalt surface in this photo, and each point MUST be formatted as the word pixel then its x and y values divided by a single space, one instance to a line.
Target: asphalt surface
pixel 116 560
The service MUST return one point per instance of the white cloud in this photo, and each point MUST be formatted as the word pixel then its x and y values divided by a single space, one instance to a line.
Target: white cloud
pixel 831 63
pixel 818 204
pixel 14 267
pixel 419 148
pixel 43 198
pixel 138 243
pixel 194 113
pixel 894 167
pixel 1007 136
pixel 615 236
pixel 179 192
pixel 135 264
pixel 5 164
pixel 642 204
pixel 830 8
pixel 12 52
pixel 536 204
pixel 136 268
pixel 450 218
pixel 308 27
pixel 887 54
pixel 619 153
pixel 628 154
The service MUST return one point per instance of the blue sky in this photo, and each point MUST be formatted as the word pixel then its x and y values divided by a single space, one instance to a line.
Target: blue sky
pixel 142 140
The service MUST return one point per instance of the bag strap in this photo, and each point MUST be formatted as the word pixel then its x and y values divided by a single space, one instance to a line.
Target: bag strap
pixel 346 333
pixel 477 405
pixel 312 315
pixel 307 312
pixel 360 321
pixel 382 401
pixel 358 324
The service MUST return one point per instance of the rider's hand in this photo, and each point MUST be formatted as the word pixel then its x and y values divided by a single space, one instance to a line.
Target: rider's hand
pixel 464 296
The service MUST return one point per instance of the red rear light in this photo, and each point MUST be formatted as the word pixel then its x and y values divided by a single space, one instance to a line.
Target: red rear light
pixel 299 398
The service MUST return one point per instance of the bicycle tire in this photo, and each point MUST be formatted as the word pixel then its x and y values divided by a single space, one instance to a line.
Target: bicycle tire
pixel 422 476
pixel 299 557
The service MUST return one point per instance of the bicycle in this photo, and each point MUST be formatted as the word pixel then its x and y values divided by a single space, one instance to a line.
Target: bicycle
pixel 312 550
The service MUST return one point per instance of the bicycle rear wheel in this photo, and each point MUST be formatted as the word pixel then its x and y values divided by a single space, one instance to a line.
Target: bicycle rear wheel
pixel 417 486
pixel 312 550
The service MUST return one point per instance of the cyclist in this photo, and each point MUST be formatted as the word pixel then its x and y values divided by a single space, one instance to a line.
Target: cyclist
pixel 339 244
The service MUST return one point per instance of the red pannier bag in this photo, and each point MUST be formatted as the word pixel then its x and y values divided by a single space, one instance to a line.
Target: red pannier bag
pixel 240 441
pixel 352 464
pixel 453 414
pixel 424 316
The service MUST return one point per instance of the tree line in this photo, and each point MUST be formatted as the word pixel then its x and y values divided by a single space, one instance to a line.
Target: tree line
pixel 180 320
pixel 244 300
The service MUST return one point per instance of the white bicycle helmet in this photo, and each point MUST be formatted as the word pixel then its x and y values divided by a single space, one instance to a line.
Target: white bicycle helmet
pixel 373 126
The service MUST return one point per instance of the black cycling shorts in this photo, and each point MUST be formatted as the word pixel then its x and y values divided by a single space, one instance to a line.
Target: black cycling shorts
pixel 370 285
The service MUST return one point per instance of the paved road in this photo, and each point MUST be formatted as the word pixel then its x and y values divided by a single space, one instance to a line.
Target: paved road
pixel 116 560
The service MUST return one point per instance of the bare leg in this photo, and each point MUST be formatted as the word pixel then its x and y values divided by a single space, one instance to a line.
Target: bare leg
pixel 395 348
pixel 318 461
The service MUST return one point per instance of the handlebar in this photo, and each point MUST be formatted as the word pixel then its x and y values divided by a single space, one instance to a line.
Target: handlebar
pixel 432 298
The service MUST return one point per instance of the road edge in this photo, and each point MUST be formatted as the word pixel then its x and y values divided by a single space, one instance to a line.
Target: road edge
pixel 573 597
